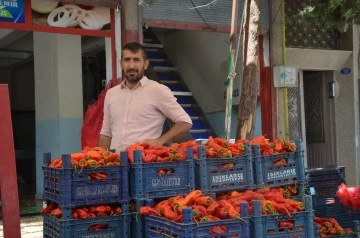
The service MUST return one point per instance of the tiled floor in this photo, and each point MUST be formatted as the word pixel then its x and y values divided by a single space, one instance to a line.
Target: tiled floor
pixel 31 227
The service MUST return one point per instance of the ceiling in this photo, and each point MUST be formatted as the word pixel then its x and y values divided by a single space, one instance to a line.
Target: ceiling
pixel 16 47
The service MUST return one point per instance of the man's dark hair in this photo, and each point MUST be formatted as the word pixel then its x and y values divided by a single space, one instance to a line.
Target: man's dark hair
pixel 134 47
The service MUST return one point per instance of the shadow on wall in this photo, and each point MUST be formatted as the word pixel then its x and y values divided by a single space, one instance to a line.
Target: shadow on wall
pixel 217 121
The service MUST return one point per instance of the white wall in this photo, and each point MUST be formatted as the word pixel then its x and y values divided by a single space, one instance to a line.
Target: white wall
pixel 202 61
pixel 193 54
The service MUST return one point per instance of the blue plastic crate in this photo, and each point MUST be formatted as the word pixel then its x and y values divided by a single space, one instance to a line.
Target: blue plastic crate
pixel 156 227
pixel 138 221
pixel 211 177
pixel 269 174
pixel 355 234
pixel 69 187
pixel 325 182
pixel 343 214
pixel 118 226
pixel 267 225
pixel 146 183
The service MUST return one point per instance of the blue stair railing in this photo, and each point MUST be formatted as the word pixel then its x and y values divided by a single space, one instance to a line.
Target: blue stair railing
pixel 166 73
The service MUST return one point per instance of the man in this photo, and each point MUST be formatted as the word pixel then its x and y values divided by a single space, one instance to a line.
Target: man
pixel 135 110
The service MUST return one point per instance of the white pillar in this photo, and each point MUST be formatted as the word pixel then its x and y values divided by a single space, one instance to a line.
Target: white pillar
pixel 58 96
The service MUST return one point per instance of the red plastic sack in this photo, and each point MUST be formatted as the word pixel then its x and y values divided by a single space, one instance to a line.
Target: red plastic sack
pixel 92 123
pixel 349 196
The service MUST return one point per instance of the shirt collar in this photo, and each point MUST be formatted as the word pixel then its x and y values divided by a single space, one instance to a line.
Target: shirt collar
pixel 142 83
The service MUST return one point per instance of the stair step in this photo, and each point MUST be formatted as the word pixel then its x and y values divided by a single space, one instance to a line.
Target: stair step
pixel 196 118
pixel 187 105
pixel 157 60
pixel 164 69
pixel 176 93
pixel 153 49
pixel 149 40
pixel 153 45
pixel 169 81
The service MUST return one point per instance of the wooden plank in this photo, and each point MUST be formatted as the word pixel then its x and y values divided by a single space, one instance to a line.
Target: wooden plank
pixel 8 178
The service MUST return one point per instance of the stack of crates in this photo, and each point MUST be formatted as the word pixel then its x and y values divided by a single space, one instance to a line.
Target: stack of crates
pixel 268 225
pixel 347 217
pixel 161 227
pixel 269 174
pixel 324 182
pixel 213 176
pixel 147 185
pixel 70 188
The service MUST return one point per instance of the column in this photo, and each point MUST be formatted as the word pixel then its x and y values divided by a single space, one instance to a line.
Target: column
pixel 58 97
pixel 131 22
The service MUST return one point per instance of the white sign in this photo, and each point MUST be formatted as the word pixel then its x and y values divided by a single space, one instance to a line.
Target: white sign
pixel 285 76
pixel 234 177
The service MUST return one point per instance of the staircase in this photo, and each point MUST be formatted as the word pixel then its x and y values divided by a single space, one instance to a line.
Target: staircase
pixel 163 71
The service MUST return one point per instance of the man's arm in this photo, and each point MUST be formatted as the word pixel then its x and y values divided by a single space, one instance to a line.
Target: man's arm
pixel 104 141
pixel 175 131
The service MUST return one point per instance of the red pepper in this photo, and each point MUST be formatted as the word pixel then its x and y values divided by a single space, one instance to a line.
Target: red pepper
pixel 298 206
pixel 285 224
pixel 49 207
pixel 118 211
pixel 232 213
pixel 293 189
pixel 279 161
pixel 179 204
pixel 204 201
pixel 291 147
pixel 57 212
pixel 56 163
pixel 101 209
pixel 212 207
pixel 98 227
pixel 221 212
pixel 147 210
pixel 138 146
pixel 279 207
pixel 169 213
pixel 92 163
pixel 278 146
pixel 160 172
pixel 199 210
pixel 218 229
pixel 93 154
pixel 100 163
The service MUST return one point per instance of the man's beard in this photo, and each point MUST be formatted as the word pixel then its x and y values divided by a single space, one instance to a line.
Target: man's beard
pixel 133 75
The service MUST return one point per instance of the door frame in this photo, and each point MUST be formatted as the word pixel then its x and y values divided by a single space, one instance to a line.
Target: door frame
pixel 329 77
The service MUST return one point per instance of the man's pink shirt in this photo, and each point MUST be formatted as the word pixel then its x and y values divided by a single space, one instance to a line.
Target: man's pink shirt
pixel 134 115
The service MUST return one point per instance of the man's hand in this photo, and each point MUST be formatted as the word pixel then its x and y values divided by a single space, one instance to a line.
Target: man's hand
pixel 104 141
pixel 176 130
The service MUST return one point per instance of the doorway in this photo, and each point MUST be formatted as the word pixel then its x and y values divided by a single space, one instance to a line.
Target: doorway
pixel 17 71
pixel 319 118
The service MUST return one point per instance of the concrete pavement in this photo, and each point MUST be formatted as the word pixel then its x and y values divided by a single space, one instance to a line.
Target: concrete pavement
pixel 31 227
